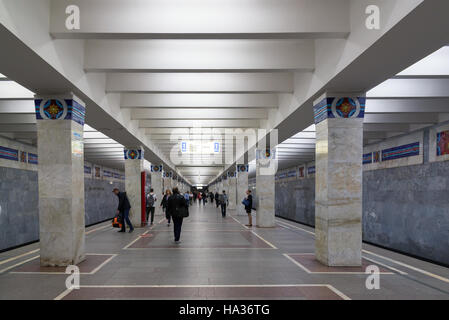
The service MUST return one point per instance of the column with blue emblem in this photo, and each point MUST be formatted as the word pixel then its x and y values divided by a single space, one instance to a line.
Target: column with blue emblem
pixel 134 160
pixel 338 186
pixel 60 122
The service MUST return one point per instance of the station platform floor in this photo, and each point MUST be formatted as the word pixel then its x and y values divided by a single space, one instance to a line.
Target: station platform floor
pixel 218 258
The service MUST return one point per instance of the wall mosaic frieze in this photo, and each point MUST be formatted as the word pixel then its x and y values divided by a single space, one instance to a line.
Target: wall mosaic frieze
pixel 9 153
pixel 408 150
pixel 32 158
pixel 442 143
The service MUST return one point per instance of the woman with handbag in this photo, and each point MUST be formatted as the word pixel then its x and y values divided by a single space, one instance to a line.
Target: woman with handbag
pixel 248 203
pixel 164 204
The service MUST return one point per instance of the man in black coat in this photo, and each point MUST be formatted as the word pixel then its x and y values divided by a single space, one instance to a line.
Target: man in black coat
pixel 216 199
pixel 249 207
pixel 123 209
pixel 178 209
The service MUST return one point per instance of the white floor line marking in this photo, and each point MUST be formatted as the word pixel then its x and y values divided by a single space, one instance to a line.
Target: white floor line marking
pixel 203 285
pixel 100 228
pixel 302 285
pixel 196 248
pixel 338 292
pixel 409 266
pixel 135 240
pixel 427 273
pixel 83 273
pixel 18 264
pixel 326 272
pixel 239 222
pixel 103 264
pixel 281 222
pixel 63 294
pixel 270 244
pixel 18 257
pixel 296 262
pixel 267 242
pixel 384 265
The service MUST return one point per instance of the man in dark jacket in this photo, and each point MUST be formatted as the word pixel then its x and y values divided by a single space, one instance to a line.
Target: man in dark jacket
pixel 123 209
pixel 216 199
pixel 249 207
pixel 178 209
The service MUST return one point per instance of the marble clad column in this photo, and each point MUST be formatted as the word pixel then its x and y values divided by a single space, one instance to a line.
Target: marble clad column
pixel 242 187
pixel 338 200
pixel 156 184
pixel 220 185
pixel 265 188
pixel 225 184
pixel 134 160
pixel 59 122
pixel 232 189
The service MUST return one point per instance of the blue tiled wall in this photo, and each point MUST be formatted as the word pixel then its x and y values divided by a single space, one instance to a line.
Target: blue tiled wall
pixel 404 208
pixel 19 216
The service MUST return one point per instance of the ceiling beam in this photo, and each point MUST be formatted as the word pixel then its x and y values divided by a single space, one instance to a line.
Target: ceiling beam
pixel 415 105
pixel 203 19
pixel 411 88
pixel 199 83
pixel 199 55
pixel 214 100
pixel 142 114
pixel 199 123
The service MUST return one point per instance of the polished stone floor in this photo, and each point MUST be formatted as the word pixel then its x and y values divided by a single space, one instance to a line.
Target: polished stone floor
pixel 217 259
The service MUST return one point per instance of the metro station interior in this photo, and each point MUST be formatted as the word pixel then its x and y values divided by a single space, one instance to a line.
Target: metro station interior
pixel 332 114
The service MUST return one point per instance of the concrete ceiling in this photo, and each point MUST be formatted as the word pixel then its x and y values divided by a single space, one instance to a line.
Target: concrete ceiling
pixel 155 73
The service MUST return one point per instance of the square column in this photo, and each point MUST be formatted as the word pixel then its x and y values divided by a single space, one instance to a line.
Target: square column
pixel 242 187
pixel 156 185
pixel 338 200
pixel 225 182
pixel 60 122
pixel 134 160
pixel 232 189
pixel 265 187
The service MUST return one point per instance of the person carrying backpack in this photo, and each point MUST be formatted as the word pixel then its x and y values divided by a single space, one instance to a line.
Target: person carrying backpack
pixel 150 201
pixel 178 210
pixel 223 199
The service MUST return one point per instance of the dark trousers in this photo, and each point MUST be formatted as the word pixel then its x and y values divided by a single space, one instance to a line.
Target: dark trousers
pixel 167 215
pixel 125 218
pixel 177 224
pixel 223 209
pixel 216 201
pixel 150 210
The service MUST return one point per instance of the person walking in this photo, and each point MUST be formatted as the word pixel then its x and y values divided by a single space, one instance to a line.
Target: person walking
pixel 164 204
pixel 216 198
pixel 248 203
pixel 191 197
pixel 178 210
pixel 223 199
pixel 204 198
pixel 211 196
pixel 187 197
pixel 150 201
pixel 123 209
